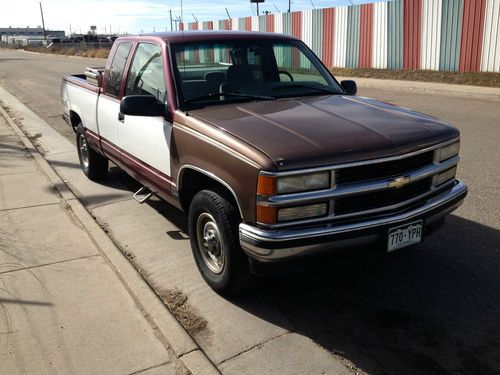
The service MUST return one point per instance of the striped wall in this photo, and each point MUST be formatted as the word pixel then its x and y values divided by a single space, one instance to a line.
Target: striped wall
pixel 454 35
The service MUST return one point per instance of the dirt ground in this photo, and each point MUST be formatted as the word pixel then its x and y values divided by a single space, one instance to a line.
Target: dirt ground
pixel 456 78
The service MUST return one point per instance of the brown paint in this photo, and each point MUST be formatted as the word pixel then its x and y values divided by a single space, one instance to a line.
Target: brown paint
pixel 227 140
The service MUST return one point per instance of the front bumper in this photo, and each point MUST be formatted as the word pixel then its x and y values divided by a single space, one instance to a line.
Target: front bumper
pixel 276 245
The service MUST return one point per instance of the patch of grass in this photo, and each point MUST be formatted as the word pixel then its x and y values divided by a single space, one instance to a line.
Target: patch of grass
pixel 468 78
pixel 176 302
pixel 71 51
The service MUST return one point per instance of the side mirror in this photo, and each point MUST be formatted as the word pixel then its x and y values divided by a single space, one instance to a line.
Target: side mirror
pixel 142 105
pixel 349 87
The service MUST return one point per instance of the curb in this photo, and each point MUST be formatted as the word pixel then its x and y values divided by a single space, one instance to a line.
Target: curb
pixel 154 311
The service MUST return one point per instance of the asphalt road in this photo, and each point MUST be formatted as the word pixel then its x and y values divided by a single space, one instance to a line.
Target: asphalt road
pixel 434 308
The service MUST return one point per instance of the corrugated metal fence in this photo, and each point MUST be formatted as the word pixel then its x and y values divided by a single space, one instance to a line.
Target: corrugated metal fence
pixel 456 35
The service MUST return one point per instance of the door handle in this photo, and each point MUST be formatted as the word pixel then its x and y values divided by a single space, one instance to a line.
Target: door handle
pixel 121 117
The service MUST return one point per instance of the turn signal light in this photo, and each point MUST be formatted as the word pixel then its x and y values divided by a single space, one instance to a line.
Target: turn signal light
pixel 266 215
pixel 266 185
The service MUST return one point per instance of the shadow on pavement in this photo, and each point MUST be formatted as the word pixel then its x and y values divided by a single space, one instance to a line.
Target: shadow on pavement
pixel 431 309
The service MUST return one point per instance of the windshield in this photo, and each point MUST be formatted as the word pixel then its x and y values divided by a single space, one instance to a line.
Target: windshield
pixel 211 73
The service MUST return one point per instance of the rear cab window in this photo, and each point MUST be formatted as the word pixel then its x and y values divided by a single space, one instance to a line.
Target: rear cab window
pixel 117 68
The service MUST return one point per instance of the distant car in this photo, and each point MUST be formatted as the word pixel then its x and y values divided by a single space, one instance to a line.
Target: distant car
pixel 269 155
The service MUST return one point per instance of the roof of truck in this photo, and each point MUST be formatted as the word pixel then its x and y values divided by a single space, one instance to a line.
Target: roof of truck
pixel 210 35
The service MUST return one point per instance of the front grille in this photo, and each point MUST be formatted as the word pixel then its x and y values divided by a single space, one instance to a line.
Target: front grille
pixel 383 170
pixel 380 199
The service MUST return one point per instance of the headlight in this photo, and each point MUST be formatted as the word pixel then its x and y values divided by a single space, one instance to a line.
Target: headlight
pixel 447 152
pixel 446 176
pixel 307 182
pixel 302 212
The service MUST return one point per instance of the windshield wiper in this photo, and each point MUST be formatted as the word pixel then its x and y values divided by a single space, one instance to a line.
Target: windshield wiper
pixel 302 85
pixel 236 94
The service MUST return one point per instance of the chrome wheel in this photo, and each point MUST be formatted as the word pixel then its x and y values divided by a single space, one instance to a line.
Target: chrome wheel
pixel 84 150
pixel 209 242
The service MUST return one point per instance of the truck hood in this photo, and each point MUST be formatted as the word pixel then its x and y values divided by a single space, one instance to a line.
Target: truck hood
pixel 314 131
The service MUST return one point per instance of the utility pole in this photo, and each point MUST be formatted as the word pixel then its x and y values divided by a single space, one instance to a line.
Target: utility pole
pixel 43 23
pixel 110 33
pixel 70 30
pixel 171 24
pixel 289 6
pixel 257 8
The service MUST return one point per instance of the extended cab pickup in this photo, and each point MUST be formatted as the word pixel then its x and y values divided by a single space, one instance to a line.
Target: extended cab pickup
pixel 269 155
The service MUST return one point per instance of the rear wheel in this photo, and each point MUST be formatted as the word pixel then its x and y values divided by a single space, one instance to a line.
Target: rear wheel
pixel 94 165
pixel 213 231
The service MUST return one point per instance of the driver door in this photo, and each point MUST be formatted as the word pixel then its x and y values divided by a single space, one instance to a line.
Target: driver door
pixel 145 141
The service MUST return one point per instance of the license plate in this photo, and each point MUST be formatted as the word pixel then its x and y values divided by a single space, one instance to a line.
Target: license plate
pixel 405 235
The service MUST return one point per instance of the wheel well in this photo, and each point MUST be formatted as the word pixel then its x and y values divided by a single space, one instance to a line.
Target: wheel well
pixel 75 119
pixel 193 181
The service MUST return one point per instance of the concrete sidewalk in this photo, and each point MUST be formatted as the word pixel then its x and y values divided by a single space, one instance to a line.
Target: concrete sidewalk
pixel 63 309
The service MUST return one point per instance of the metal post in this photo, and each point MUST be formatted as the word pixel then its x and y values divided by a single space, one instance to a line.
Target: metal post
pixel 257 9
pixel 289 5
pixel 43 23
pixel 171 24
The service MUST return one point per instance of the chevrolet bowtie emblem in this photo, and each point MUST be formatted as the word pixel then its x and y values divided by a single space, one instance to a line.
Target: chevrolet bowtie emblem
pixel 399 182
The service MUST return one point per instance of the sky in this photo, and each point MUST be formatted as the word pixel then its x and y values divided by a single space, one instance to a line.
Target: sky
pixel 134 16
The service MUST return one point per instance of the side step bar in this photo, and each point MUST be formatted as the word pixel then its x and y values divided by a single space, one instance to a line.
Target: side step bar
pixel 143 194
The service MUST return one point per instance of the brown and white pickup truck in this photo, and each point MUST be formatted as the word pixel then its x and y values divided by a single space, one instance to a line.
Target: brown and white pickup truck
pixel 269 155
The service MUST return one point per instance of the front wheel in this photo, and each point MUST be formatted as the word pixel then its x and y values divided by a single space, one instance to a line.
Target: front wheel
pixel 213 231
pixel 94 165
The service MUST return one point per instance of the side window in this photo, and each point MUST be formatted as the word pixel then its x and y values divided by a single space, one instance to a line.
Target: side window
pixel 146 73
pixel 116 70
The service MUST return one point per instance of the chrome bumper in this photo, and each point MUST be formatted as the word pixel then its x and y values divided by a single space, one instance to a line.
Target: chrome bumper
pixel 276 245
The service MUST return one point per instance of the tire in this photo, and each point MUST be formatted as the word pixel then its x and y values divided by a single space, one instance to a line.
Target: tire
pixel 94 165
pixel 213 232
